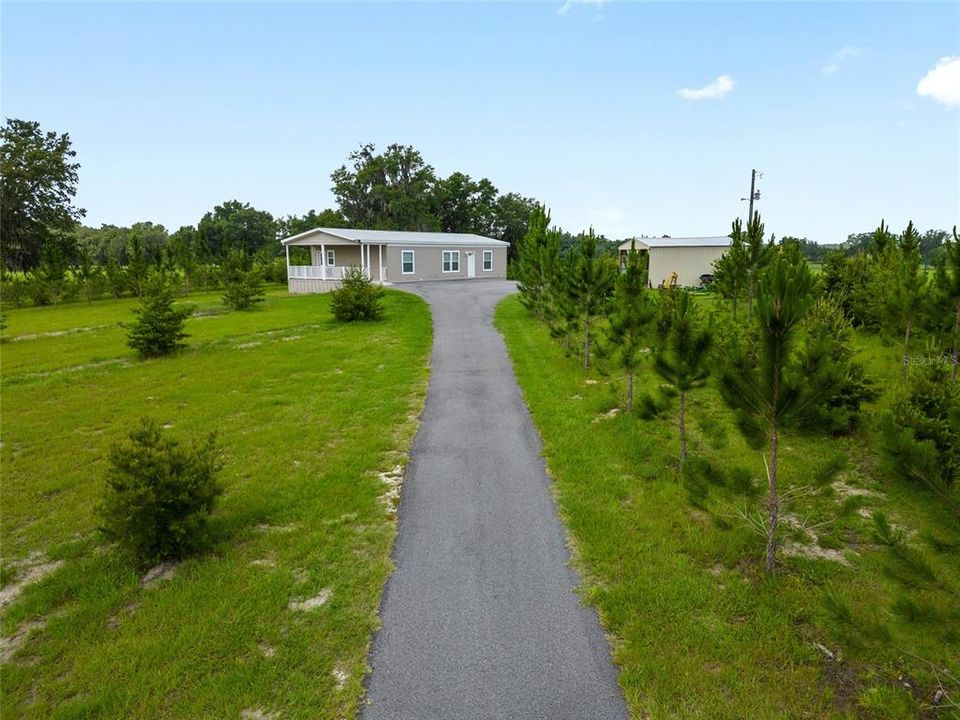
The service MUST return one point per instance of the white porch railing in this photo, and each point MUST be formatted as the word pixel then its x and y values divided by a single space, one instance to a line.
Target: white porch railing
pixel 316 272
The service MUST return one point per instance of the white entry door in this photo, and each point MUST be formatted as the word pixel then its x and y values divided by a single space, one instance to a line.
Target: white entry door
pixel 471 265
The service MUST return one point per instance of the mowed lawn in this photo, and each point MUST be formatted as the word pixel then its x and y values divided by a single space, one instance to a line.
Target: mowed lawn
pixel 697 631
pixel 307 413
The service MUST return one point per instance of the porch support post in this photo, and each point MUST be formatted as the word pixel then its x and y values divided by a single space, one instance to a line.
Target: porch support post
pixel 287 248
pixel 323 261
pixel 380 261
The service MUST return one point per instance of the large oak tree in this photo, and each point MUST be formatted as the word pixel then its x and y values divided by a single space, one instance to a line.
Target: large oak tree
pixel 38 181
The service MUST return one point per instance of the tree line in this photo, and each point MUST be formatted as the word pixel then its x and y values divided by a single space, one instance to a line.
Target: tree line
pixel 43 234
pixel 778 347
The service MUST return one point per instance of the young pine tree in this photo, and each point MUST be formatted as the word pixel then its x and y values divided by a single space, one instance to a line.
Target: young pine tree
pixel 357 298
pixel 683 356
pixel 137 265
pixel 757 252
pixel 116 277
pixel 906 288
pixel 536 258
pixel 158 329
pixel 590 286
pixel 49 280
pixel 159 494
pixel 562 312
pixel 920 435
pixel 88 276
pixel 730 271
pixel 630 314
pixel 881 241
pixel 830 355
pixel 241 281
pixel 756 378
pixel 947 286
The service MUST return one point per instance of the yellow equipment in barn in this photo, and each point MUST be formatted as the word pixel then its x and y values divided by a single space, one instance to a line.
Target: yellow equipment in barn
pixel 669 281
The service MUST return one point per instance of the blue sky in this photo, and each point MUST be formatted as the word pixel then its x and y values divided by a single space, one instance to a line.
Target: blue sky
pixel 176 107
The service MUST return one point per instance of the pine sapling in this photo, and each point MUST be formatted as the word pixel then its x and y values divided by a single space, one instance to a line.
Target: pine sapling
pixel 682 359
pixel 756 379
pixel 158 329
pixel 591 284
pixel 630 314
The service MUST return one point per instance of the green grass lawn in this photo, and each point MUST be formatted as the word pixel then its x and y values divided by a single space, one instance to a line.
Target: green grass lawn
pixel 697 631
pixel 307 412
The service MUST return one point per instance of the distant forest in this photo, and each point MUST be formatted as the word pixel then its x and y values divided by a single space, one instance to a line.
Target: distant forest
pixel 395 189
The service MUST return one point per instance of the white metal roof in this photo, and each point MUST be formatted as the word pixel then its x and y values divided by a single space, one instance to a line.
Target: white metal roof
pixel 665 242
pixel 397 237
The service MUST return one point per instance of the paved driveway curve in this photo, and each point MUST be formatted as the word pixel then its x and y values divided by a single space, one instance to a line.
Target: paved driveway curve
pixel 480 619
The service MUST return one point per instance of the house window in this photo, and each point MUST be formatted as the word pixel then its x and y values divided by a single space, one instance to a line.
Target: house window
pixel 488 259
pixel 406 262
pixel 451 261
pixel 331 257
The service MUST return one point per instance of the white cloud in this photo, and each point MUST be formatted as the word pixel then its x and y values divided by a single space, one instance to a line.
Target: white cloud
pixel 569 4
pixel 839 57
pixel 943 82
pixel 719 88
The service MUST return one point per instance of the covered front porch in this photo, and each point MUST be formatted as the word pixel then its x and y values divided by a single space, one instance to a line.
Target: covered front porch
pixel 329 261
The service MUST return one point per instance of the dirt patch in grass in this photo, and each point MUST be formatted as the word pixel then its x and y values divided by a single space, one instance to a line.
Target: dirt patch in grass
pixel 393 479
pixel 846 490
pixel 56 333
pixel 256 714
pixel 270 561
pixel 267 528
pixel 75 368
pixel 31 569
pixel 841 679
pixel 312 603
pixel 609 415
pixel 163 571
pixel 10 645
pixel 813 552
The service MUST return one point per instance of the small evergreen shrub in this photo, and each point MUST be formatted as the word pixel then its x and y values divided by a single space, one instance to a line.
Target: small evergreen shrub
pixel 275 271
pixel 116 278
pixel 241 281
pixel 159 494
pixel 205 276
pixel 830 356
pixel 13 290
pixel 158 329
pixel 357 298
pixel 920 436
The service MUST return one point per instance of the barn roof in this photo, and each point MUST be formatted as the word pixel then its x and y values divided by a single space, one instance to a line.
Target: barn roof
pixel 398 237
pixel 679 242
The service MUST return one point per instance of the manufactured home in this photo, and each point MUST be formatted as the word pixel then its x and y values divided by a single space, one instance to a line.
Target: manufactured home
pixel 690 258
pixel 392 257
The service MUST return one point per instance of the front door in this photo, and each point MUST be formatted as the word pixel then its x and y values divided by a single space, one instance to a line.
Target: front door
pixel 471 265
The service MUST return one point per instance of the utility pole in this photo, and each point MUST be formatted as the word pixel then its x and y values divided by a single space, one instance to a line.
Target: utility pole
pixel 754 193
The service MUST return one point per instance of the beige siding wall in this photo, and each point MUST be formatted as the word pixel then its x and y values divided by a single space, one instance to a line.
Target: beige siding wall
pixel 688 262
pixel 345 255
pixel 349 255
pixel 301 285
pixel 428 263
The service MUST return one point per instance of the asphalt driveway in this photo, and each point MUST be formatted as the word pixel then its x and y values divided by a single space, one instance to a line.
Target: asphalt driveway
pixel 480 619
